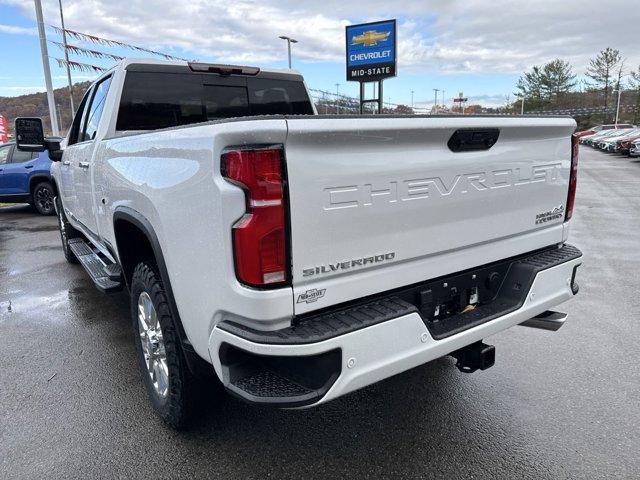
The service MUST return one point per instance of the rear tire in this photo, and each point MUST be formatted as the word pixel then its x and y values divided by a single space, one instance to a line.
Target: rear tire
pixel 67 232
pixel 166 377
pixel 42 198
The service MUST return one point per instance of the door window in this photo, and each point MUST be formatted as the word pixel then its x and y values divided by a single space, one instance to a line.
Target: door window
pixel 4 154
pixel 19 156
pixel 78 120
pixel 96 108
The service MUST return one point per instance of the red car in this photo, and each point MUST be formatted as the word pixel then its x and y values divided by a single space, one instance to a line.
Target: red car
pixel 625 145
pixel 598 128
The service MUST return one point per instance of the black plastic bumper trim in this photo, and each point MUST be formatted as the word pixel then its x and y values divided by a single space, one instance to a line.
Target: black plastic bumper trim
pixel 516 276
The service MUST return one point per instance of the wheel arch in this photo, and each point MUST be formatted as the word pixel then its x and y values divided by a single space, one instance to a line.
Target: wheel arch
pixel 54 184
pixel 38 178
pixel 135 241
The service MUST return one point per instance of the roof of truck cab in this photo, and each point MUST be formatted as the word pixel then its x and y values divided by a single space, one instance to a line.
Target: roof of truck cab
pixel 179 66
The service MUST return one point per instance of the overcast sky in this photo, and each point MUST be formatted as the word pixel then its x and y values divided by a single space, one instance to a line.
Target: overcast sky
pixel 479 47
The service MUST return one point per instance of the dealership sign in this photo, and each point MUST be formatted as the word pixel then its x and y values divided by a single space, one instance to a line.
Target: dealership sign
pixel 371 51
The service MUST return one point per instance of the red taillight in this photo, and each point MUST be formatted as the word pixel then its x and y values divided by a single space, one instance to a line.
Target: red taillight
pixel 259 237
pixel 573 176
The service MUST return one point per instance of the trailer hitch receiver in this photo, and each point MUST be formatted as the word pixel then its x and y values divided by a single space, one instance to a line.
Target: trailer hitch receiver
pixel 477 356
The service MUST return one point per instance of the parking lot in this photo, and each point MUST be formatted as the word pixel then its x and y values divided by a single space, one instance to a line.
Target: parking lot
pixel 555 405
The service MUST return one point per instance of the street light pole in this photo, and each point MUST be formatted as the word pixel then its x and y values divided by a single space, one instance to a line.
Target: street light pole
pixel 66 57
pixel 47 71
pixel 435 101
pixel 289 42
pixel 412 99
pixel 59 114
pixel 618 106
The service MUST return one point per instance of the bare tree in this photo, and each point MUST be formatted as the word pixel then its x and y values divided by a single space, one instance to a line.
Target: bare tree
pixel 604 69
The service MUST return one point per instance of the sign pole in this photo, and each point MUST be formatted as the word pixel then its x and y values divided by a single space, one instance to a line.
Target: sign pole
pixel 380 97
pixel 47 72
pixel 361 98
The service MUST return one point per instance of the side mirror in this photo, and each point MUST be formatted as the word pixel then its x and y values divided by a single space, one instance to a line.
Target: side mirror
pixel 52 145
pixel 30 138
pixel 29 134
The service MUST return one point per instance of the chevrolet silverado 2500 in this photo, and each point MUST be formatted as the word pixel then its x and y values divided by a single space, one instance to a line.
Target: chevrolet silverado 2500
pixel 300 257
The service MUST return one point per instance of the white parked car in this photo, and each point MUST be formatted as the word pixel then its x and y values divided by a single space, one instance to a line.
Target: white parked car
pixel 299 257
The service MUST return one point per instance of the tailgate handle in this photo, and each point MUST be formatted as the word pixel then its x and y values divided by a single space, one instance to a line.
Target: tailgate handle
pixel 469 139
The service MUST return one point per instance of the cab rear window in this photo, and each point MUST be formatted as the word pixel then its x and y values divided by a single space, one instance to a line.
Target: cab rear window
pixel 152 101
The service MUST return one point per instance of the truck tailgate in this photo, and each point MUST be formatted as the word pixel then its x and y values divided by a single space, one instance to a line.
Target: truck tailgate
pixel 379 203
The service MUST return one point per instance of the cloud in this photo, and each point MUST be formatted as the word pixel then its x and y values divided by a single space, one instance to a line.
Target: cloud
pixel 14 30
pixel 435 37
pixel 16 91
pixel 77 77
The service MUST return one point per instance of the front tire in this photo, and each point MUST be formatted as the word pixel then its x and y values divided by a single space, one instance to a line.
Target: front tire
pixel 165 374
pixel 42 198
pixel 67 232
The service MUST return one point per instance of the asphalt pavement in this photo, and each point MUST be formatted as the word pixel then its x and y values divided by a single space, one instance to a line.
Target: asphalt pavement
pixel 555 405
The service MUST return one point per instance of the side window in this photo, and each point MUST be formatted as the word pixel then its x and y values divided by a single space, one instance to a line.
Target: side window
pixel 4 154
pixel 96 108
pixel 78 120
pixel 19 156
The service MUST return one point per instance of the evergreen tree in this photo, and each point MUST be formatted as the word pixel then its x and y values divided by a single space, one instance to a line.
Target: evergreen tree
pixel 546 82
pixel 557 78
pixel 530 84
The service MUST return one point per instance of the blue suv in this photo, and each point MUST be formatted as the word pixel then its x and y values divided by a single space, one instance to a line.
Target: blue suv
pixel 25 178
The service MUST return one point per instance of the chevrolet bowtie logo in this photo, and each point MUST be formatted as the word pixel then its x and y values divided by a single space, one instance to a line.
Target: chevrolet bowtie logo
pixel 369 38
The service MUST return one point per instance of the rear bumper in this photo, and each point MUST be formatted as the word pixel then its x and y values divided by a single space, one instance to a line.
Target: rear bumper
pixel 382 349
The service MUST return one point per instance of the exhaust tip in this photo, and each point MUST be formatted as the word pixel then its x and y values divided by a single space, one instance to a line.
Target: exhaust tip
pixel 548 320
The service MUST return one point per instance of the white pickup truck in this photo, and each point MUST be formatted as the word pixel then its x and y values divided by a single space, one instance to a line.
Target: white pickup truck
pixel 300 256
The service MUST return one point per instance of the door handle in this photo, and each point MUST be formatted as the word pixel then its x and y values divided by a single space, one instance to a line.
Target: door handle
pixel 66 162
pixel 28 166
pixel 83 164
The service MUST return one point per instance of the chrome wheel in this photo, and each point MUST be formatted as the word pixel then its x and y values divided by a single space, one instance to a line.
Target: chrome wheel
pixel 152 343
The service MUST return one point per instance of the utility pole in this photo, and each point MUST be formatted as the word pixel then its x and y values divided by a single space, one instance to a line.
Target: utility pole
pixel 66 57
pixel 47 71
pixel 435 102
pixel 618 105
pixel 412 99
pixel 337 98
pixel 289 42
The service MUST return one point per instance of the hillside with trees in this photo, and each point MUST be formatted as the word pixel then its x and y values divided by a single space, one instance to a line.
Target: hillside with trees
pixel 35 105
